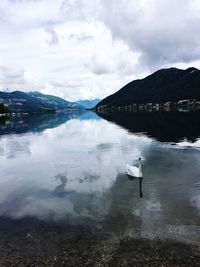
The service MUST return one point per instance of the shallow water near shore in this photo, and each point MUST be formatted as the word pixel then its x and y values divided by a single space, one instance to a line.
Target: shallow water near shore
pixel 64 185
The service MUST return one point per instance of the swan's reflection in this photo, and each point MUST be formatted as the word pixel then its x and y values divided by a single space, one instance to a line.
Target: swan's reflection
pixel 131 178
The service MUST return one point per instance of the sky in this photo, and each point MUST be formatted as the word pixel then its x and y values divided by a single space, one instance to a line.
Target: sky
pixel 86 49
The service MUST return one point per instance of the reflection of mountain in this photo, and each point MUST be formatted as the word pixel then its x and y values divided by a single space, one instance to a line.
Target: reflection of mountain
pixel 3 120
pixel 163 126
pixel 89 116
pixel 36 122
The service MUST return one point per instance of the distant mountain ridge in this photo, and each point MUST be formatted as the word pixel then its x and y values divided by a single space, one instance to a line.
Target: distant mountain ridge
pixel 19 101
pixel 164 85
pixel 88 103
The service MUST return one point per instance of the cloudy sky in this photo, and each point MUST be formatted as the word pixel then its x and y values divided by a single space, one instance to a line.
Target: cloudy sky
pixel 83 49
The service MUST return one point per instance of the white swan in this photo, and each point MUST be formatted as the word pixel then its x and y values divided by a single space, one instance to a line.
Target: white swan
pixel 134 171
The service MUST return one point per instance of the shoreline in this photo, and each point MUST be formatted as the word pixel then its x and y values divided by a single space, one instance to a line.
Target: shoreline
pixel 32 242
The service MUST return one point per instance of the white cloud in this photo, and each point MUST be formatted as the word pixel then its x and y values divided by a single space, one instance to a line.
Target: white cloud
pixel 85 49
pixel 11 76
pixel 38 186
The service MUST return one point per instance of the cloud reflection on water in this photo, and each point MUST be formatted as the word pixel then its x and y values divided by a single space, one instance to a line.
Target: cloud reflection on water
pixel 77 172
pixel 92 153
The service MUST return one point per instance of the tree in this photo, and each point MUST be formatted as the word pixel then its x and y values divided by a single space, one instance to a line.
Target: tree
pixel 4 108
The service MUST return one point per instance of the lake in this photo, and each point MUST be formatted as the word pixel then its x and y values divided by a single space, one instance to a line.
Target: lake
pixel 63 181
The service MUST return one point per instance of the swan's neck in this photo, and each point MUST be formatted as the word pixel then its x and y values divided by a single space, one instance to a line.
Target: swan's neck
pixel 140 169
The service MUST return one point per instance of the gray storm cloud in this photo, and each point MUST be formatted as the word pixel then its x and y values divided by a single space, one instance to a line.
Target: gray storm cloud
pixel 164 32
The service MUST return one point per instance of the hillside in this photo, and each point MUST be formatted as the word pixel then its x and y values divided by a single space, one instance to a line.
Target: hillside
pixel 88 103
pixel 162 86
pixel 18 101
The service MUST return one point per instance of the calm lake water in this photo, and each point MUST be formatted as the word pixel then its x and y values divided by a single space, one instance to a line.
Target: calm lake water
pixel 72 168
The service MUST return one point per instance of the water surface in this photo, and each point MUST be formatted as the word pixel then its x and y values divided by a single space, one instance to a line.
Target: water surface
pixel 71 168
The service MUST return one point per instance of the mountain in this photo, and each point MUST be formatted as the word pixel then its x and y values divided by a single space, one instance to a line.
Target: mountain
pixel 88 103
pixel 54 100
pixel 18 101
pixel 165 85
